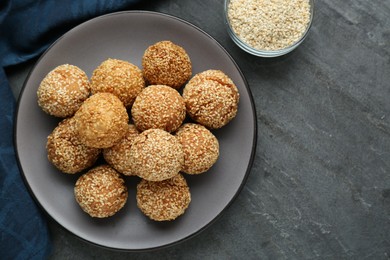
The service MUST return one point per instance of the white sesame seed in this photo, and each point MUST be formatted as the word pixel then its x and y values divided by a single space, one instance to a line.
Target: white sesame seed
pixel 269 24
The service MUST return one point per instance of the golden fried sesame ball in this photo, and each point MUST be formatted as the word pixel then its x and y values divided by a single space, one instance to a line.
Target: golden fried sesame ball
pixel 200 147
pixel 165 63
pixel 66 152
pixel 211 98
pixel 118 156
pixel 63 90
pixel 101 121
pixel 118 77
pixel 163 200
pixel 101 192
pixel 156 155
pixel 158 106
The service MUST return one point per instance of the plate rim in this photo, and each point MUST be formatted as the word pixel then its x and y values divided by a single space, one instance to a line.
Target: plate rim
pixel 254 138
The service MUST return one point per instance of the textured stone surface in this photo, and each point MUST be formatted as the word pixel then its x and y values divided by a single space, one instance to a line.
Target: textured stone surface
pixel 320 184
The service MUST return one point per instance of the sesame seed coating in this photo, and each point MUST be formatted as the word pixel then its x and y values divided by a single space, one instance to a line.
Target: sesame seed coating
pixel 101 121
pixel 63 90
pixel 211 98
pixel 118 77
pixel 163 200
pixel 118 156
pixel 66 152
pixel 158 106
pixel 200 147
pixel 165 63
pixel 156 155
pixel 101 192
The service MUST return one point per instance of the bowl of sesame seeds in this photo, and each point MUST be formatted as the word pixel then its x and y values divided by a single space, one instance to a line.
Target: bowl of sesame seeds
pixel 268 28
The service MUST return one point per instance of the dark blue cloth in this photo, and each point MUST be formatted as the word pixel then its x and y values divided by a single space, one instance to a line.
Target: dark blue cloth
pixel 23 230
pixel 27 28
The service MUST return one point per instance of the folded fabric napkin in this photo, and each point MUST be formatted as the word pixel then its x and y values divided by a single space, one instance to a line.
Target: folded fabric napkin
pixel 27 28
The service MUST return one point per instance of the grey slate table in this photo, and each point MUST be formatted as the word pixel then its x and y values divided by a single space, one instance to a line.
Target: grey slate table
pixel 320 184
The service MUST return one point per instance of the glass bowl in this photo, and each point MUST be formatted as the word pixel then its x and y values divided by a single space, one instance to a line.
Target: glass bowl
pixel 263 52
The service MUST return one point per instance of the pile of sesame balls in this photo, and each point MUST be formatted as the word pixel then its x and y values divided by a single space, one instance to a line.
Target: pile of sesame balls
pixel 140 124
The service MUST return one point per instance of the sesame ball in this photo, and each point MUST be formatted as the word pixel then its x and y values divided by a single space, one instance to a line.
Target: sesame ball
pixel 211 98
pixel 118 77
pixel 101 121
pixel 63 90
pixel 66 152
pixel 165 63
pixel 118 155
pixel 156 155
pixel 101 192
pixel 158 106
pixel 163 200
pixel 200 147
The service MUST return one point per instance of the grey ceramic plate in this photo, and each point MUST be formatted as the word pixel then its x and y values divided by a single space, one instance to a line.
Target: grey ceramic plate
pixel 125 35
